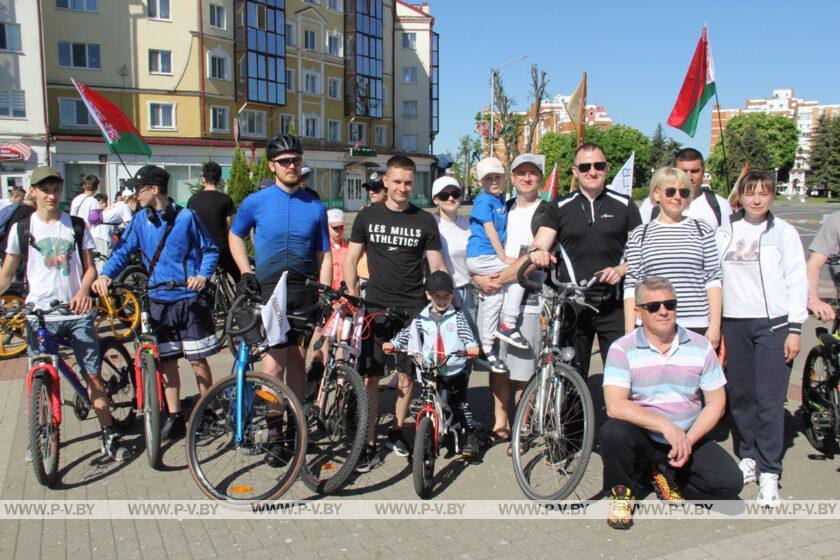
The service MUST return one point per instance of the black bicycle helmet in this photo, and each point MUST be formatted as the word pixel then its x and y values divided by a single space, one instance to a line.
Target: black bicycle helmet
pixel 284 143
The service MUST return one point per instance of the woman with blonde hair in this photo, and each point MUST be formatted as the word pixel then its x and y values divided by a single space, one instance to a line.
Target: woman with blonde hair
pixel 680 249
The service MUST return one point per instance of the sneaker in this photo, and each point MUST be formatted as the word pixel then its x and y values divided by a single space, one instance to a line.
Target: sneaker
pixel 512 336
pixel 278 455
pixel 112 447
pixel 470 445
pixel 396 443
pixel 173 427
pixel 496 364
pixel 747 467
pixel 622 502
pixel 369 460
pixel 665 489
pixel 768 490
pixel 210 424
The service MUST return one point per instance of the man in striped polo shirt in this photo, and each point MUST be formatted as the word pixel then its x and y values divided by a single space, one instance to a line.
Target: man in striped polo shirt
pixel 652 383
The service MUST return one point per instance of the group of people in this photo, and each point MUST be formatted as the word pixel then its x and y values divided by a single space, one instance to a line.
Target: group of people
pixel 673 280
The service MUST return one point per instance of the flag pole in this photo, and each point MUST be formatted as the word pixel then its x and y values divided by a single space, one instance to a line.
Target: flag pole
pixel 123 164
pixel 581 131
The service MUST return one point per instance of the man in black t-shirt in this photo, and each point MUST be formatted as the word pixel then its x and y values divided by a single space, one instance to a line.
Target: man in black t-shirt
pixel 215 210
pixel 590 226
pixel 396 235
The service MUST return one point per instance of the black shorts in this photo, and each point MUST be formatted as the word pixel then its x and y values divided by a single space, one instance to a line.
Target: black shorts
pixel 383 329
pixel 298 297
pixel 184 328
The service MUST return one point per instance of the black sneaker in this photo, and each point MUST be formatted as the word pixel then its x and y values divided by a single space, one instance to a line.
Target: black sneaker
pixel 396 443
pixel 209 424
pixel 173 427
pixel 470 445
pixel 369 460
pixel 278 455
pixel 112 447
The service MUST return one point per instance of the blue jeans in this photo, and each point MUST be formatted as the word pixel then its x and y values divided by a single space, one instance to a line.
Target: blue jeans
pixel 79 332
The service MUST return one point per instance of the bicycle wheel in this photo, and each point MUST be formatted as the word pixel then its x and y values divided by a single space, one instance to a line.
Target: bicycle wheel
pixel 12 331
pixel 814 397
pixel 423 457
pixel 134 275
pixel 120 318
pixel 551 449
pixel 118 378
pixel 151 408
pixel 221 305
pixel 44 434
pixel 240 473
pixel 336 439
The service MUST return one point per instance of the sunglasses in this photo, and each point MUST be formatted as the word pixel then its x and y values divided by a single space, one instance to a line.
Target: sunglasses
pixel 654 306
pixel 287 162
pixel 671 191
pixel 585 167
pixel 375 189
pixel 446 195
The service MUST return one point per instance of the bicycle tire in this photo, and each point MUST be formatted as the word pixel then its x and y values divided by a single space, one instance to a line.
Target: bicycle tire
pixel 348 409
pixel 12 331
pixel 219 432
pixel 135 275
pixel 151 408
pixel 117 376
pixel 559 449
pixel 423 458
pixel 44 437
pixel 811 377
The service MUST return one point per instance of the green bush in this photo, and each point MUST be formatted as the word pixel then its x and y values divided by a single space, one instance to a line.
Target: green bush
pixel 641 194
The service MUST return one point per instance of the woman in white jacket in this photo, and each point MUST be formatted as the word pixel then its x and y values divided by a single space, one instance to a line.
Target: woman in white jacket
pixel 765 292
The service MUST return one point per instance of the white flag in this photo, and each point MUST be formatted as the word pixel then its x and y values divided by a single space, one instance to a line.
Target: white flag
pixel 274 315
pixel 623 180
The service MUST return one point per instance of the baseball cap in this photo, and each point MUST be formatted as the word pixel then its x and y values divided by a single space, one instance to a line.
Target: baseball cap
pixel 152 175
pixel 127 192
pixel 335 216
pixel 443 182
pixel 527 158
pixel 439 281
pixel 305 171
pixel 489 165
pixel 43 173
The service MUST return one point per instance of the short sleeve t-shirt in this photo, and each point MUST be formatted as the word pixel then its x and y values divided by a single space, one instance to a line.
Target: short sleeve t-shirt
pixel 213 209
pixel 453 237
pixel 82 205
pixel 743 294
pixel 395 243
pixel 53 269
pixel 486 208
pixel 827 240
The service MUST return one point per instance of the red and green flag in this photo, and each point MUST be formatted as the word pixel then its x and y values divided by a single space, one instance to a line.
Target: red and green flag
pixel 119 132
pixel 551 188
pixel 697 89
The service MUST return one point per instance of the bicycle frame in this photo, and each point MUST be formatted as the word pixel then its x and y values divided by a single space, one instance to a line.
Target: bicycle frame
pixel 434 406
pixel 243 402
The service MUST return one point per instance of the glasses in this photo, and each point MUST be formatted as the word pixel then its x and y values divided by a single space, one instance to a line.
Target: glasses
pixel 671 191
pixel 375 189
pixel 585 167
pixel 655 306
pixel 339 227
pixel 287 162
pixel 446 195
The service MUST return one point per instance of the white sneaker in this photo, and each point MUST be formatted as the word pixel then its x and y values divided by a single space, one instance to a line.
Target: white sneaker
pixel 747 467
pixel 768 490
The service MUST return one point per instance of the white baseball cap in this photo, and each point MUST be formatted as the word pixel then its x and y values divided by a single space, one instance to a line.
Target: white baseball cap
pixel 126 193
pixel 335 216
pixel 527 158
pixel 489 165
pixel 443 182
pixel 304 171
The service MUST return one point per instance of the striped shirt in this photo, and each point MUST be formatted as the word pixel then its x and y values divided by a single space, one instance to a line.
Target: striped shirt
pixel 684 253
pixel 666 384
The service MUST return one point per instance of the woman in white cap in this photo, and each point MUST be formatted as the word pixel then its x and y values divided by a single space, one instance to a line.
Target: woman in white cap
pixel 454 233
pixel 338 245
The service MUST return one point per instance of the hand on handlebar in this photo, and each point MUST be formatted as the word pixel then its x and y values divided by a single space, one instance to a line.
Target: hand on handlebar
pixel 388 348
pixel 472 352
pixel 196 283
pixel 100 285
pixel 81 303
pixel 610 275
pixel 541 258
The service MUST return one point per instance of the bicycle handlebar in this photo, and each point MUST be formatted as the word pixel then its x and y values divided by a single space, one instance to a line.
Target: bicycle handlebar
pixel 424 364
pixel 29 309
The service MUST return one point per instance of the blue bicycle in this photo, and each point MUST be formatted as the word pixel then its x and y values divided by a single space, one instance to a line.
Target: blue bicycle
pixel 43 386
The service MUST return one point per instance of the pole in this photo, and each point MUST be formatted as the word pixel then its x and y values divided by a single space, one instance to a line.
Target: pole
pixel 722 143
pixel 492 103
pixel 130 174
pixel 581 129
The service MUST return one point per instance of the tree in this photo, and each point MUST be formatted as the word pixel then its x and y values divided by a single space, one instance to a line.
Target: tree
pixel 261 171
pixel 662 149
pixel 468 150
pixel 510 123
pixel 239 182
pixel 824 162
pixel 538 85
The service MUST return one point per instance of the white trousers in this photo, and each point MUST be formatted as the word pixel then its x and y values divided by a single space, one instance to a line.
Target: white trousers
pixel 503 306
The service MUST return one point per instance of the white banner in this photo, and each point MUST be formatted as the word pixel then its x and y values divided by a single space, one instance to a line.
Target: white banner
pixel 274 314
pixel 623 180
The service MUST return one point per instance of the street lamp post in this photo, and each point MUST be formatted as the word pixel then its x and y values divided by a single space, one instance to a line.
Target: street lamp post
pixel 494 74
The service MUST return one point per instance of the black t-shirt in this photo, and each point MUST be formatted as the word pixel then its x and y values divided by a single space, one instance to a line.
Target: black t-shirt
pixel 591 235
pixel 396 243
pixel 213 208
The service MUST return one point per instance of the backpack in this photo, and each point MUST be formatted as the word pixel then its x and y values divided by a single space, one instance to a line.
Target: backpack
pixel 711 199
pixel 6 215
pixel 25 240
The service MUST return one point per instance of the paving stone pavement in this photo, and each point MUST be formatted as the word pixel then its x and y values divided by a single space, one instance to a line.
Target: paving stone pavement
pixel 84 475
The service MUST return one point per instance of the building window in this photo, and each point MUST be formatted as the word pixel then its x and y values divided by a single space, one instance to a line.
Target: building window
pixel 409 75
pixel 158 9
pixel 409 109
pixel 434 86
pixel 334 88
pixel 316 2
pixel 334 131
pixel 78 55
pixel 160 62
pixel 252 123
pixel 357 132
pixel 290 35
pixel 219 119
pixel 73 113
pixel 311 82
pixel 162 116
pixel 363 84
pixel 381 135
pixel 335 42
pixel 290 80
pixel 409 40
pixel 9 37
pixel 310 126
pixel 12 105
pixel 309 40
pixel 409 142
pixel 218 64
pixel 264 76
pixel 335 5
pixel 218 16
pixel 77 5
pixel 286 124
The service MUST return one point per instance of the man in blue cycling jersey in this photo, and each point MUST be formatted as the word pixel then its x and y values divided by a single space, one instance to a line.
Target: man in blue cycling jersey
pixel 175 247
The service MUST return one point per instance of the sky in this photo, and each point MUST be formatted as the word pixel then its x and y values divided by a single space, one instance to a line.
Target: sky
pixel 636 53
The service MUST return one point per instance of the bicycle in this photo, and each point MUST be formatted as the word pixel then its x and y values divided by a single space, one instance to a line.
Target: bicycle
pixel 44 391
pixel 554 424
pixel 13 326
pixel 223 291
pixel 230 438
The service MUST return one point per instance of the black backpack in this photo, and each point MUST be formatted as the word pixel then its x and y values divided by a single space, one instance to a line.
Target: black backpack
pixel 26 240
pixel 710 198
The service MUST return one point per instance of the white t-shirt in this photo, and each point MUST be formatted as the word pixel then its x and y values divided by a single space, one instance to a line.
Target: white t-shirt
pixel 453 237
pixel 743 294
pixel 54 270
pixel 82 205
pixel 519 235
pixel 699 209
pixel 111 218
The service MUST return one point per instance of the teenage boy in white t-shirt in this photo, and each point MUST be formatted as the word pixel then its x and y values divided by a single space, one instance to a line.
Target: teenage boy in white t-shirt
pixel 54 271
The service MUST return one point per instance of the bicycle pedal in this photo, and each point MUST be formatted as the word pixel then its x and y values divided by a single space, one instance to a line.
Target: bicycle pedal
pixel 415 406
pixel 822 421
